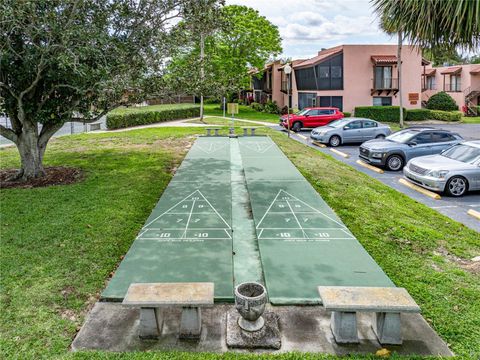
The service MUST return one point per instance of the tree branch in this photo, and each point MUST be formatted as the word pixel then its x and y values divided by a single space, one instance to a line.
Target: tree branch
pixel 47 131
pixel 8 133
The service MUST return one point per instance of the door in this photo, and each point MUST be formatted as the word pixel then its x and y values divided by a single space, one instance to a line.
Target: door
pixel 369 130
pixel 352 132
pixel 331 101
pixel 441 141
pixel 325 117
pixel 311 118
pixel 422 147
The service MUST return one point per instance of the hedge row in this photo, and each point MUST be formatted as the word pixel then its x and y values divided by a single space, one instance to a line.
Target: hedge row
pixel 426 114
pixel 380 113
pixel 145 117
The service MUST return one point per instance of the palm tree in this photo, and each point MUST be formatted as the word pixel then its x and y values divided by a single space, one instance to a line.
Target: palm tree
pixel 430 24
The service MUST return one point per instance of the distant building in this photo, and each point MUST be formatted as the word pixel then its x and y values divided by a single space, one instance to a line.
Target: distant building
pixel 345 76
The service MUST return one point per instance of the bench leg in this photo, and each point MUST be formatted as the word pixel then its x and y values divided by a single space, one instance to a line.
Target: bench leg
pixel 253 131
pixel 387 327
pixel 151 322
pixel 344 327
pixel 216 132
pixel 191 323
pixel 245 132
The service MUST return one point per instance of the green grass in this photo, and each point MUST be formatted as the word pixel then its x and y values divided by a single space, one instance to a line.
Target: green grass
pixel 471 119
pixel 59 244
pixel 130 109
pixel 220 121
pixel 244 112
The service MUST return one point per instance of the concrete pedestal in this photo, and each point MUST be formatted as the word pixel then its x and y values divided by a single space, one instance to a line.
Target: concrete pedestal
pixel 344 327
pixel 191 323
pixel 387 328
pixel 151 323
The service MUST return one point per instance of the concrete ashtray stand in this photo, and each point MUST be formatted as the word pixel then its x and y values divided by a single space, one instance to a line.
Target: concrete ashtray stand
pixel 250 301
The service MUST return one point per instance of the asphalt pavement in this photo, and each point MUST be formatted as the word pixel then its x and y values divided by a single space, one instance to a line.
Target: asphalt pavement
pixel 454 208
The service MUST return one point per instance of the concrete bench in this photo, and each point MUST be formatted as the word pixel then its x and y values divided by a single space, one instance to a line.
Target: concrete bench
pixel 209 131
pixel 385 302
pixel 152 297
pixel 252 131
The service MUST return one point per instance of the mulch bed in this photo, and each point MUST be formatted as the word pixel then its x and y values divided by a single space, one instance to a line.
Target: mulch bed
pixel 55 175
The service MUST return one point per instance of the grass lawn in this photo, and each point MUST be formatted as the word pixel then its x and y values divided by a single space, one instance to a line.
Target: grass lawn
pixel 126 110
pixel 244 112
pixel 59 244
pixel 471 119
pixel 220 121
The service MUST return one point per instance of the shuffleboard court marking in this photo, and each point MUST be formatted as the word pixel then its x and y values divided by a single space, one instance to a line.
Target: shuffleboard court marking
pixel 183 222
pixel 212 147
pixel 259 147
pixel 300 222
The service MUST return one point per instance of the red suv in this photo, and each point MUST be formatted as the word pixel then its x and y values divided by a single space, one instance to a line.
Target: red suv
pixel 311 118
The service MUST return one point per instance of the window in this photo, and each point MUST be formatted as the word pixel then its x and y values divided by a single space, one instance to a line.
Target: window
pixel 306 100
pixel 331 101
pixel 325 112
pixel 336 71
pixel 305 79
pixel 431 83
pixel 330 73
pixel 382 101
pixel 369 124
pixel 383 77
pixel 354 125
pixel 423 138
pixel 313 113
pixel 455 83
pixel 324 72
pixel 442 137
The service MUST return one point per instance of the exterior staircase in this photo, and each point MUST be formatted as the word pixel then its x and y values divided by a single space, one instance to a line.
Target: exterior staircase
pixel 470 94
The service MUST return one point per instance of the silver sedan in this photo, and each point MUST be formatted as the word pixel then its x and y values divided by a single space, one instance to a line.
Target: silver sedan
pixel 455 171
pixel 350 130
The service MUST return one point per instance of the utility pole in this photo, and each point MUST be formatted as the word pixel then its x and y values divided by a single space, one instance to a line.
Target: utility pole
pixel 202 70
pixel 399 67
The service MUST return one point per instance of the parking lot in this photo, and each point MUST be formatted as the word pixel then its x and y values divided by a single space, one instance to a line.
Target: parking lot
pixel 455 208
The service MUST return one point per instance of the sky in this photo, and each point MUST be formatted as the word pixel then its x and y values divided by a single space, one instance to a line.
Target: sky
pixel 307 26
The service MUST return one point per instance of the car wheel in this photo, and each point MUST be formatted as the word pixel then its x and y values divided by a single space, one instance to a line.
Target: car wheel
pixel 297 126
pixel 380 136
pixel 456 186
pixel 335 141
pixel 394 162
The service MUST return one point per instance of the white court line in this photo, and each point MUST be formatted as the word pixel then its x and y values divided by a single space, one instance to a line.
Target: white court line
pixel 444 207
pixel 188 220
pixel 304 228
pixel 298 222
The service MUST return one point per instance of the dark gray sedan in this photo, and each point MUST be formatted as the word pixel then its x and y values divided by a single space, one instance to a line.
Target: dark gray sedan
pixel 350 130
pixel 396 150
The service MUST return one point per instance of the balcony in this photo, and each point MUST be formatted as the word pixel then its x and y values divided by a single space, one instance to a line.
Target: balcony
pixel 453 87
pixel 429 87
pixel 284 85
pixel 384 84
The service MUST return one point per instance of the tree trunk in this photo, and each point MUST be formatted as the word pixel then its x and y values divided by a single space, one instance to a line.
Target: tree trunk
pixel 31 153
pixel 399 67
pixel 202 70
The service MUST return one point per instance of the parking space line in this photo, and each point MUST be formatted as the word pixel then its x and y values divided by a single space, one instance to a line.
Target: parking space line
pixel 319 144
pixel 420 189
pixel 368 166
pixel 474 213
pixel 444 207
pixel 342 154
pixel 302 136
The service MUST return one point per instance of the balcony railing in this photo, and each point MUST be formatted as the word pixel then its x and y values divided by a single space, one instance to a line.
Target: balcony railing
pixel 453 87
pixel 429 87
pixel 385 84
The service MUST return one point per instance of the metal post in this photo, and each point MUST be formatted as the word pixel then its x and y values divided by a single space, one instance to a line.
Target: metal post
pixel 224 106
pixel 288 105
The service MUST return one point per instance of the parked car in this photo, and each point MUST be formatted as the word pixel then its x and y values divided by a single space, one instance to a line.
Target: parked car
pixel 397 149
pixel 350 130
pixel 311 117
pixel 455 170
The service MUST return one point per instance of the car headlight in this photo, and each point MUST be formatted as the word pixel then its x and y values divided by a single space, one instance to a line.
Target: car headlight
pixel 377 154
pixel 439 174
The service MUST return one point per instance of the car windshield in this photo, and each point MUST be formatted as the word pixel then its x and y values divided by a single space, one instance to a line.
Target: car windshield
pixel 302 112
pixel 338 123
pixel 464 153
pixel 402 136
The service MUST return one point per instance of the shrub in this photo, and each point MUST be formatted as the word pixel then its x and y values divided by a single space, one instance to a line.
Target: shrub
pixel 446 115
pixel 346 114
pixel 212 100
pixel 144 116
pixel 418 114
pixel 442 101
pixel 271 107
pixel 256 106
pixel 380 113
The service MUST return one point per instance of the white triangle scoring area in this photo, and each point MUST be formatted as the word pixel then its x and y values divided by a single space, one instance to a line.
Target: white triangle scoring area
pixel 193 218
pixel 289 218
pixel 211 147
pixel 259 147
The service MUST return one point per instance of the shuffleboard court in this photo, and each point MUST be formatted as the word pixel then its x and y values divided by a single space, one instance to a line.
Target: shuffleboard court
pixel 238 210
pixel 303 244
pixel 188 236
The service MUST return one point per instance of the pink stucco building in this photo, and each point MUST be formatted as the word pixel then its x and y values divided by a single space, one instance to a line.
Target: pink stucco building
pixel 345 76
pixel 461 82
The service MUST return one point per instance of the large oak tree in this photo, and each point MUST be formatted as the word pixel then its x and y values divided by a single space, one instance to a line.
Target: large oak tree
pixel 75 60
